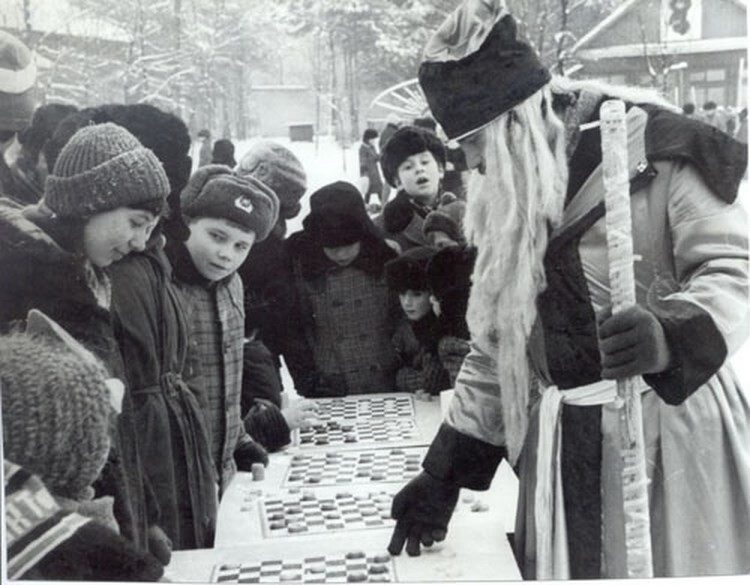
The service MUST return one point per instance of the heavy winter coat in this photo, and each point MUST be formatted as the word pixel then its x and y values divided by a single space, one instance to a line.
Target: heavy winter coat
pixel 216 316
pixel 37 273
pixel 419 367
pixel 693 276
pixel 152 331
pixel 346 318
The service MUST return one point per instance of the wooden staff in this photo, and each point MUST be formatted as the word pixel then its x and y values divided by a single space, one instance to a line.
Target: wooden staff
pixel 622 285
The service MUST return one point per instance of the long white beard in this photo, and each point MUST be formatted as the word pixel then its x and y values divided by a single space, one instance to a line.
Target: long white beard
pixel 510 210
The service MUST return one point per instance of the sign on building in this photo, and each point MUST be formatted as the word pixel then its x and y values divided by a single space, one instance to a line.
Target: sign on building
pixel 681 20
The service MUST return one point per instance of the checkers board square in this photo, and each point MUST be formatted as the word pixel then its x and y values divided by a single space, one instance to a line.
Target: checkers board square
pixel 350 567
pixel 398 465
pixel 306 513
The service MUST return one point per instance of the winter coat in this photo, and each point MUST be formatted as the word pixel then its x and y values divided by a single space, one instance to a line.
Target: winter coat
pixel 693 276
pixel 368 167
pixel 216 316
pixel 46 543
pixel 419 365
pixel 346 318
pixel 152 330
pixel 39 274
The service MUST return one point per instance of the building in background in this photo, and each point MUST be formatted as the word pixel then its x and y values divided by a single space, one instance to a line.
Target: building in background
pixel 692 50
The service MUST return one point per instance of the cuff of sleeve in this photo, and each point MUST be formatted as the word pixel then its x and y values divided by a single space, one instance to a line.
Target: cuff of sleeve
pixel 462 460
pixel 698 350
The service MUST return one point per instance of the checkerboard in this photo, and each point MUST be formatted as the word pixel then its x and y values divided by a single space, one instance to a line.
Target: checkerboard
pixel 378 407
pixel 333 432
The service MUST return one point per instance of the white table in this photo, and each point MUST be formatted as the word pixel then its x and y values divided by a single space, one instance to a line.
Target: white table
pixel 476 548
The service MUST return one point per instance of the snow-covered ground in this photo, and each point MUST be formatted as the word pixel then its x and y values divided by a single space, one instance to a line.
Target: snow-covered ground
pixel 325 163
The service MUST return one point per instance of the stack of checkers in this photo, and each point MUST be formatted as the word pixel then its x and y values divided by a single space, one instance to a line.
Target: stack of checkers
pixel 332 468
pixel 352 567
pixel 309 514
pixel 359 431
pixel 373 407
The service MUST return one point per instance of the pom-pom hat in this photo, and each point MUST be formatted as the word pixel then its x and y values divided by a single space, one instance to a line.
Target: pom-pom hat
pixel 278 168
pixel 216 191
pixel 101 168
pixel 17 79
pixel 475 68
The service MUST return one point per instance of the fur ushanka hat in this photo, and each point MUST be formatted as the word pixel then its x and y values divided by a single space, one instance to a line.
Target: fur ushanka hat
pixel 405 142
pixel 409 271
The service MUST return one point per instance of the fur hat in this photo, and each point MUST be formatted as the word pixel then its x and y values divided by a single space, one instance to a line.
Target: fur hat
pixel 405 142
pixel 450 269
pixel 101 168
pixel 337 216
pixel 56 409
pixel 278 168
pixel 43 124
pixel 476 68
pixel 17 79
pixel 409 271
pixel 216 191
pixel 446 218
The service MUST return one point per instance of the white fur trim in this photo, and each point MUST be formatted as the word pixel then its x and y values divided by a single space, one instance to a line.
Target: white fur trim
pixel 18 81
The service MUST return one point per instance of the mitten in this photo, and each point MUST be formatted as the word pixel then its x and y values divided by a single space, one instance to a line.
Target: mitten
pixel 248 453
pixel 422 510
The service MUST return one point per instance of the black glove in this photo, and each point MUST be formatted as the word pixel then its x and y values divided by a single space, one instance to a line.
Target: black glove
pixel 422 510
pixel 159 544
pixel 248 453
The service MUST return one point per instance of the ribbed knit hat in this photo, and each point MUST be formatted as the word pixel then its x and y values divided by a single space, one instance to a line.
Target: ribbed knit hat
pixel 56 411
pixel 278 168
pixel 476 68
pixel 17 79
pixel 101 168
pixel 216 191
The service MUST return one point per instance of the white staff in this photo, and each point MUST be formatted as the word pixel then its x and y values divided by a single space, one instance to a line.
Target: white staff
pixel 622 285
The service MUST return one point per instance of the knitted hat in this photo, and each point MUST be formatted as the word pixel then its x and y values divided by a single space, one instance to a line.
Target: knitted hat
pixel 446 218
pixel 17 79
pixel 475 68
pixel 278 168
pixel 409 271
pixel 101 168
pixel 450 269
pixel 405 142
pixel 55 412
pixel 216 191
pixel 337 216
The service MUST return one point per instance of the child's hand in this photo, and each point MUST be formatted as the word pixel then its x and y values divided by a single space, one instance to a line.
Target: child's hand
pixel 300 413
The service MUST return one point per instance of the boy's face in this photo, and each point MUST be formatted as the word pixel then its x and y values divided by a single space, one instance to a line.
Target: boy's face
pixel 415 303
pixel 218 247
pixel 420 175
pixel 343 255
pixel 111 235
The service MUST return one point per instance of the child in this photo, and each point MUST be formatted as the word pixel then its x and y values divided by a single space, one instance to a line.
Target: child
pixel 414 163
pixel 448 277
pixel 56 404
pixel 416 340
pixel 223 153
pixel 343 309
pixel 369 172
pixel 226 214
pixel 268 291
pixel 443 227
pixel 101 202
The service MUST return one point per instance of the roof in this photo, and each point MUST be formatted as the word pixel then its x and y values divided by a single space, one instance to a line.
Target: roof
pixel 673 48
pixel 617 13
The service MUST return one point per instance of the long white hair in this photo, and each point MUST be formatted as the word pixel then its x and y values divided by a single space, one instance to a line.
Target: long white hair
pixel 510 210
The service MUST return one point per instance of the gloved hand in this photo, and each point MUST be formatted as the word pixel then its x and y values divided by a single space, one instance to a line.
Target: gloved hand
pixel 422 510
pixel 248 453
pixel 632 343
pixel 159 544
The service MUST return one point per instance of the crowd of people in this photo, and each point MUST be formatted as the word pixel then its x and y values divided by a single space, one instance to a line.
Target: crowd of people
pixel 146 307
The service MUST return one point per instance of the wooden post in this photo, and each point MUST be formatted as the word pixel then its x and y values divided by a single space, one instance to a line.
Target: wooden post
pixel 622 285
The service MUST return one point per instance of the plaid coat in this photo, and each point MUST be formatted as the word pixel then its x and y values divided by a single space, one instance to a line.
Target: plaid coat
pixel 347 317
pixel 216 315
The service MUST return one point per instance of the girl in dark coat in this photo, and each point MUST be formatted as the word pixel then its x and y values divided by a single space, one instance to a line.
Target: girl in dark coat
pixel 344 312
pixel 101 203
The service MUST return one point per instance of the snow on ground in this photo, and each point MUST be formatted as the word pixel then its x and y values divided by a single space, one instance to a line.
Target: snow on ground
pixel 326 162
